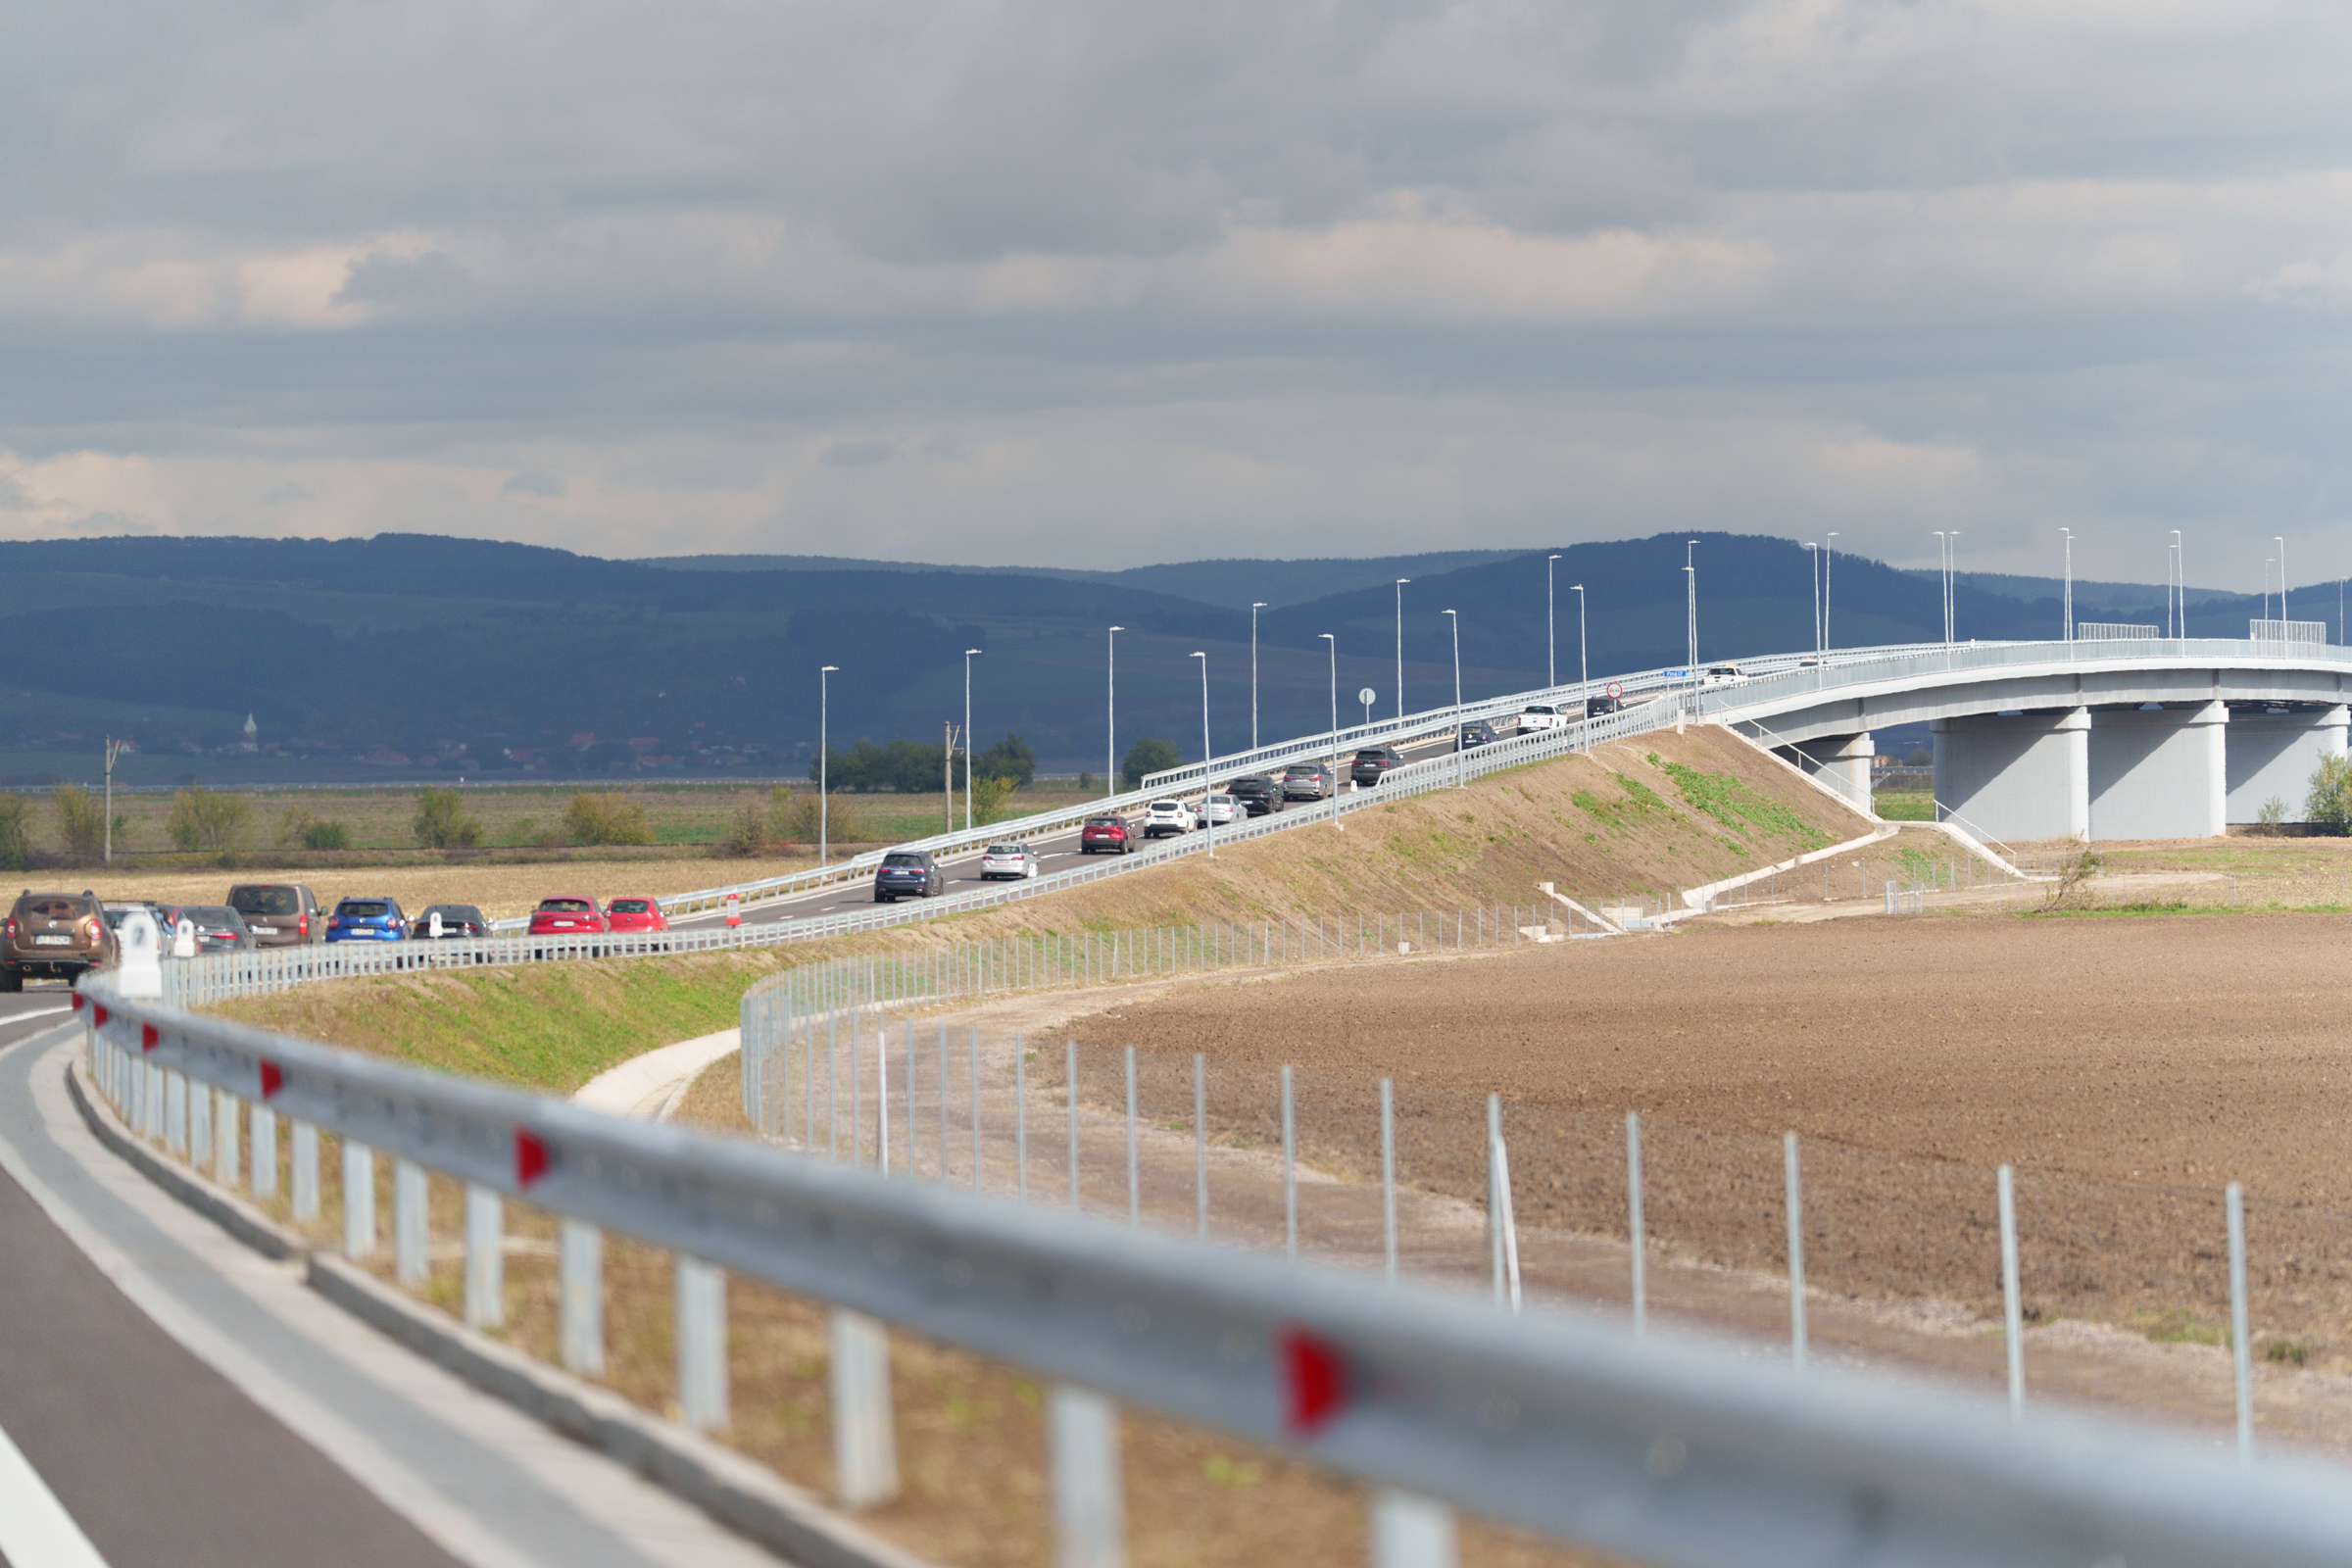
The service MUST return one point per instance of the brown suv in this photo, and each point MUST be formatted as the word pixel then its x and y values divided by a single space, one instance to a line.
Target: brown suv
pixel 55 936
pixel 280 914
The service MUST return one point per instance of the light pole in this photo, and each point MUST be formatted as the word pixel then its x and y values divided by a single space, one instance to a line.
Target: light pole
pixel 1813 561
pixel 2068 605
pixel 114 749
pixel 2175 607
pixel 2281 544
pixel 1253 609
pixel 1110 763
pixel 1584 670
pixel 1208 785
pixel 1551 663
pixel 824 797
pixel 1456 621
pixel 2267 564
pixel 970 654
pixel 1828 558
pixel 1334 724
pixel 1400 582
pixel 1943 582
pixel 1690 601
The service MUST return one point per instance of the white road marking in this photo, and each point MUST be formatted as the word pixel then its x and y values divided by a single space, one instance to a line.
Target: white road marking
pixel 35 1531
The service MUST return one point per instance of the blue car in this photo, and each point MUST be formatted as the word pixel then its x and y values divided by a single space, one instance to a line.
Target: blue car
pixel 908 873
pixel 367 920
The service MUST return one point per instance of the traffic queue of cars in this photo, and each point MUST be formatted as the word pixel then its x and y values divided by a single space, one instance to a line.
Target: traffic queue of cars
pixel 63 936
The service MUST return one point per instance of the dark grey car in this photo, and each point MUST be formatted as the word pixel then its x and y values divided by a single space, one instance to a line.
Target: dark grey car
pixel 280 914
pixel 1306 781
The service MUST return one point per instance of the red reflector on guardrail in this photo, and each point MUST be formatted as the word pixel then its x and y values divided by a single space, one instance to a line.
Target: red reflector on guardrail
pixel 530 1158
pixel 74 1002
pixel 1314 1382
pixel 97 1015
pixel 272 1079
pixel 148 1038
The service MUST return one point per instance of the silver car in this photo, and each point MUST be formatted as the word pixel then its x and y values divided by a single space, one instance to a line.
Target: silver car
pixel 1011 862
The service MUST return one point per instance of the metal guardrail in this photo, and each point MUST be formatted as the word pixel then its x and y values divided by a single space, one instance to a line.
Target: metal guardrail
pixel 1678 1453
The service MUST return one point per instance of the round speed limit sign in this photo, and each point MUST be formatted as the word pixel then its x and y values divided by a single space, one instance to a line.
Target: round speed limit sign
pixel 1367 696
pixel 1616 688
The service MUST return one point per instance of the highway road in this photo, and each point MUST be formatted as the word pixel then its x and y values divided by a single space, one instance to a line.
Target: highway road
pixel 171 1399
pixel 1058 852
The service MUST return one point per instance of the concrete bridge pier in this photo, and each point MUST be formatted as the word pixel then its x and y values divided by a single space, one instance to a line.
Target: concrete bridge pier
pixel 2273 756
pixel 1843 761
pixel 2160 772
pixel 2016 776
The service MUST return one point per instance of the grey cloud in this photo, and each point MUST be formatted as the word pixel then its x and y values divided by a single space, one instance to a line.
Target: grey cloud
pixel 861 454
pixel 281 495
pixel 381 279
pixel 534 484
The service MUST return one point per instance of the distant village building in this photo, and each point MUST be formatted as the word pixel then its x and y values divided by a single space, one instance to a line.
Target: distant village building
pixel 252 735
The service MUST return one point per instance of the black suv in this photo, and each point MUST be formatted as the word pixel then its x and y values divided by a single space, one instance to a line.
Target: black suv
pixel 1305 781
pixel 908 871
pixel 1474 732
pixel 1595 707
pixel 1257 792
pixel 1372 764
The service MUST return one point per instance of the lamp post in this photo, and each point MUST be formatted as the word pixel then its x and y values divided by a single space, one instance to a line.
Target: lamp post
pixel 1813 561
pixel 2281 544
pixel 2267 564
pixel 1584 670
pixel 1690 601
pixel 1334 724
pixel 1951 593
pixel 824 797
pixel 1111 762
pixel 970 654
pixel 1551 670
pixel 1253 609
pixel 2068 605
pixel 1456 621
pixel 1943 582
pixel 114 749
pixel 1400 582
pixel 1828 558
pixel 1208 785
pixel 2175 608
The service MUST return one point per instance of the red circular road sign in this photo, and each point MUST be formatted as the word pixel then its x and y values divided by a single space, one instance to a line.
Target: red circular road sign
pixel 1616 688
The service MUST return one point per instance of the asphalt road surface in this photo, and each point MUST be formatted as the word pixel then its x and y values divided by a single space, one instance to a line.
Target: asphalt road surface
pixel 185 1402
pixel 1058 852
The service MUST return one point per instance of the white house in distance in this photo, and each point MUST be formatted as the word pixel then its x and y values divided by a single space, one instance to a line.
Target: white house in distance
pixel 252 735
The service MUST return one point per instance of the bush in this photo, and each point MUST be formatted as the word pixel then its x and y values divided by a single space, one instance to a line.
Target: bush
pixel 2272 813
pixel 604 820
pixel 327 836
pixel 747 835
pixel 203 820
pixel 442 821
pixel 16 833
pixel 988 797
pixel 1086 783
pixel 80 818
pixel 1148 756
pixel 2329 804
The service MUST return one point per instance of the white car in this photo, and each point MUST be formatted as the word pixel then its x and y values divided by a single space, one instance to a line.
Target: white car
pixel 1219 808
pixel 1722 676
pixel 1166 816
pixel 1543 715
pixel 1008 860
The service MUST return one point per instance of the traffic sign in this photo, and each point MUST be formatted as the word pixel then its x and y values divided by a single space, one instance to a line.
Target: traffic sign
pixel 1616 688
pixel 1367 695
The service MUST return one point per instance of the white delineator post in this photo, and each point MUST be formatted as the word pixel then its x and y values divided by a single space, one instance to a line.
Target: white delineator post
pixel 1089 1506
pixel 1632 1217
pixel 1796 1251
pixel 486 1258
pixel 1388 1176
pixel 702 1307
pixel 412 1227
pixel 2240 1358
pixel 264 1152
pixel 2012 1316
pixel 580 1304
pixel 306 1171
pixel 865 1450
pixel 358 1200
pixel 1409 1530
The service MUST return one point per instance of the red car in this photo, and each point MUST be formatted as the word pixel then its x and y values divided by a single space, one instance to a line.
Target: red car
pixel 635 914
pixel 1110 833
pixel 559 918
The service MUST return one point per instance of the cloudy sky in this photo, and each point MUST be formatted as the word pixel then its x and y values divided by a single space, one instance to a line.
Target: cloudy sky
pixel 1093 283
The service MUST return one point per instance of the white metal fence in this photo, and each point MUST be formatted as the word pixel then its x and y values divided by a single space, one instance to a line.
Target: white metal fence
pixel 1678 1454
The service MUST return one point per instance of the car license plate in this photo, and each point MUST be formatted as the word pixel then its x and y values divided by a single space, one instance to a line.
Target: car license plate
pixel 52 941
pixel 265 930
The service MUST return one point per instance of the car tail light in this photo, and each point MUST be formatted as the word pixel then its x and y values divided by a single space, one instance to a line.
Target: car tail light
pixel 89 930
pixel 12 928
pixel 302 926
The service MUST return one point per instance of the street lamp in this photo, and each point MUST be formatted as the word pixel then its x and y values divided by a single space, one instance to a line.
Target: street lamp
pixel 1951 593
pixel 1584 670
pixel 1813 559
pixel 2177 596
pixel 1110 763
pixel 1828 558
pixel 1334 724
pixel 1944 583
pixel 824 797
pixel 970 654
pixel 1457 694
pixel 1551 672
pixel 1208 785
pixel 1400 582
pixel 2267 564
pixel 2069 604
pixel 1253 609
pixel 2281 544
pixel 1690 600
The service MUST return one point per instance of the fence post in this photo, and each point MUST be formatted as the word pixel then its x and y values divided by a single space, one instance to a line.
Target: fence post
pixel 1633 1217
pixel 702 1307
pixel 358 1200
pixel 865 1450
pixel 1796 1251
pixel 2233 1203
pixel 199 1124
pixel 2012 1319
pixel 224 1138
pixel 175 1112
pixel 486 1258
pixel 580 1304
pixel 1090 1511
pixel 264 1152
pixel 411 1228
pixel 306 1171
pixel 1411 1531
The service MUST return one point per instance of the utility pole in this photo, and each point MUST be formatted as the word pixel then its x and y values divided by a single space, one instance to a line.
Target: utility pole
pixel 970 654
pixel 1208 786
pixel 1253 609
pixel 114 749
pixel 1551 670
pixel 1111 729
pixel 1400 582
pixel 824 795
